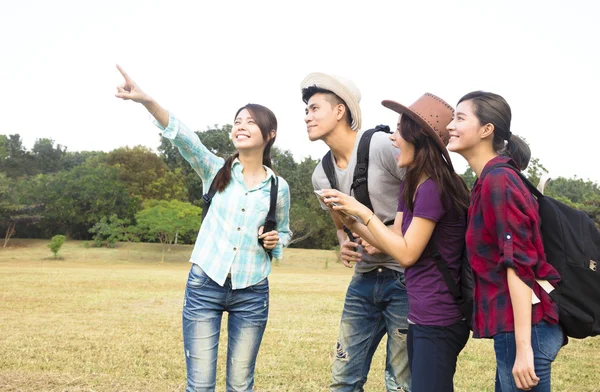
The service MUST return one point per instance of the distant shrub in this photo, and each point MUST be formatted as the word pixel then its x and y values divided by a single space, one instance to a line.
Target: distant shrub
pixel 56 243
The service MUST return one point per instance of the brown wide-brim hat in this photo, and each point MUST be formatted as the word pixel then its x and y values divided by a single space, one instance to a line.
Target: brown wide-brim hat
pixel 433 114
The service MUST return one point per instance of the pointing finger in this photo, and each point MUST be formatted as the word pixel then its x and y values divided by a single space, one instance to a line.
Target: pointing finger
pixel 123 73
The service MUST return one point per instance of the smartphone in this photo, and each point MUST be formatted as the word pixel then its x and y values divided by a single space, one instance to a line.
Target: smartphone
pixel 319 194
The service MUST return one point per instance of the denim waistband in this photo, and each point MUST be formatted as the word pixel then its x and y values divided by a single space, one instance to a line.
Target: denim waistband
pixel 381 271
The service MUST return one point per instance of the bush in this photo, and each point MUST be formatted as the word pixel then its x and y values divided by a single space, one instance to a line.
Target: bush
pixel 56 243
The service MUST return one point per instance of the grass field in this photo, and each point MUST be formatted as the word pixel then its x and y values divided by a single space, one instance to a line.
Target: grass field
pixel 110 320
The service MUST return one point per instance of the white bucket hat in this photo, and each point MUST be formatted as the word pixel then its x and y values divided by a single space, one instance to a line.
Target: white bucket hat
pixel 343 88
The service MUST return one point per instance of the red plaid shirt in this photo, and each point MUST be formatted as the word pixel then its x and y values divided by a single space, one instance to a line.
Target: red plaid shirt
pixel 504 232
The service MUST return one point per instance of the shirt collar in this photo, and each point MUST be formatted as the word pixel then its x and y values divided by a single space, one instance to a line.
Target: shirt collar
pixel 237 166
pixel 494 161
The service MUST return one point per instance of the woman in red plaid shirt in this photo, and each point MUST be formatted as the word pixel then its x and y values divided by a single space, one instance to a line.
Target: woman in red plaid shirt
pixel 505 247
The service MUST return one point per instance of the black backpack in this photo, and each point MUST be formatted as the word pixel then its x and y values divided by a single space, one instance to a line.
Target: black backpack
pixel 572 245
pixel 360 183
pixel 270 221
pixel 463 293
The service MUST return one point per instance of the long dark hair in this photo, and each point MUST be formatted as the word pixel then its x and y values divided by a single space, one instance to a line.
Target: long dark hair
pixel 267 122
pixel 428 158
pixel 493 109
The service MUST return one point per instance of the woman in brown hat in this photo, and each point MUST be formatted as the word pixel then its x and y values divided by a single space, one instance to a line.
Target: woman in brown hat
pixel 431 216
pixel 505 247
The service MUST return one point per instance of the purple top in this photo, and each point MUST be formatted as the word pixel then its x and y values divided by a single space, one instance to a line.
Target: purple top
pixel 430 301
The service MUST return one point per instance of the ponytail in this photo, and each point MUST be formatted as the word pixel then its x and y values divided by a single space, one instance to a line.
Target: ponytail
pixel 223 176
pixel 518 150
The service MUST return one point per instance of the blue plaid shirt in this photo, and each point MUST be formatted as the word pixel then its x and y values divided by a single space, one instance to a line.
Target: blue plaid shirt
pixel 228 238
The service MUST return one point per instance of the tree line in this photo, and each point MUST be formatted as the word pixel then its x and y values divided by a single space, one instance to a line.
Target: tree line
pixel 134 194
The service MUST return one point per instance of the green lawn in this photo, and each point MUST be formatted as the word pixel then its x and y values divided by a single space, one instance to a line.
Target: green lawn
pixel 110 320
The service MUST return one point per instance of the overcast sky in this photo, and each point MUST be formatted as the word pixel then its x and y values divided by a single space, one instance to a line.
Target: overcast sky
pixel 204 59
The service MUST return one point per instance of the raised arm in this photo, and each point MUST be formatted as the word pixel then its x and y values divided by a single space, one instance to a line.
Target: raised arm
pixel 203 161
pixel 129 90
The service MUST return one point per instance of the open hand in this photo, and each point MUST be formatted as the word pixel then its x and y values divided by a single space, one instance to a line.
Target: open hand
pixel 130 90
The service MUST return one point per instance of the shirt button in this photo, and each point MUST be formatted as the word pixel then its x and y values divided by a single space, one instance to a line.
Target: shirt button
pixel 243 210
pixel 508 237
pixel 238 229
pixel 234 249
pixel 246 193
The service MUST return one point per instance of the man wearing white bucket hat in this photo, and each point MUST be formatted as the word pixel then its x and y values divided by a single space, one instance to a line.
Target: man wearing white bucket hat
pixel 376 302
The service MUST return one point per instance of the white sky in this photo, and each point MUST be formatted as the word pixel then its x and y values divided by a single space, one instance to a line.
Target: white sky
pixel 205 59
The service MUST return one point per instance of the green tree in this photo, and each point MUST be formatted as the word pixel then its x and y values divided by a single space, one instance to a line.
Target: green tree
pixel 13 212
pixel 145 174
pixel 166 220
pixel 75 200
pixel 46 157
pixel 469 177
pixel 56 243
pixel 17 160
pixel 535 170
pixel 109 230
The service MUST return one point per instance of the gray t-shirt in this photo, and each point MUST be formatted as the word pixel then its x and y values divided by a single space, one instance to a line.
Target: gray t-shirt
pixel 384 183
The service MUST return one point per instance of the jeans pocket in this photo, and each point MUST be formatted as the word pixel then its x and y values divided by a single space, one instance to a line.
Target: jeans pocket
pixel 548 338
pixel 197 278
pixel 261 287
pixel 401 280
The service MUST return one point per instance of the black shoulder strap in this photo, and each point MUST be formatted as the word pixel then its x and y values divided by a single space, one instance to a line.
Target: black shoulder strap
pixel 329 170
pixel 360 181
pixel 272 208
pixel 527 183
pixel 208 196
pixel 443 267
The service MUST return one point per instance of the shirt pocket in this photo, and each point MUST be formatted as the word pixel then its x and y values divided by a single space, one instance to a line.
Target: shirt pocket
pixel 261 201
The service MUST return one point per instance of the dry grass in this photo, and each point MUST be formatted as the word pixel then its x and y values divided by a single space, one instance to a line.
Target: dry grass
pixel 110 320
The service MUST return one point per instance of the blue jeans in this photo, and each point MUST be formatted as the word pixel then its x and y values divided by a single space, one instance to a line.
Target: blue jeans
pixel 432 353
pixel 203 307
pixel 546 340
pixel 376 303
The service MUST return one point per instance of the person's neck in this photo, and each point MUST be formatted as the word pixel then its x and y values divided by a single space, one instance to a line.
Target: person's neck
pixel 253 163
pixel 341 143
pixel 478 158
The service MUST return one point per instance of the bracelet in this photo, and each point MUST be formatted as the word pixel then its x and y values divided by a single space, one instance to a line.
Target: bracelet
pixel 369 220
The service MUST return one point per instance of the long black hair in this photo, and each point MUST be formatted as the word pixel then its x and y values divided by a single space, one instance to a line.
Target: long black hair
pixel 429 159
pixel 267 122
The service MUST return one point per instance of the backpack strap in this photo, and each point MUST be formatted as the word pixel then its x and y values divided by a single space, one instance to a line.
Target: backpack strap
pixel 360 181
pixel 270 221
pixel 329 169
pixel 443 267
pixel 532 188
pixel 208 196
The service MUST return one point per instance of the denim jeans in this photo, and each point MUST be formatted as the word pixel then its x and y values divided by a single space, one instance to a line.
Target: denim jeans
pixel 376 303
pixel 432 353
pixel 546 340
pixel 203 307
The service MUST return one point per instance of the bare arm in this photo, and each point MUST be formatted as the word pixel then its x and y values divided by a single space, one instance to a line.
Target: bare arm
pixel 129 90
pixel 405 249
pixel 520 297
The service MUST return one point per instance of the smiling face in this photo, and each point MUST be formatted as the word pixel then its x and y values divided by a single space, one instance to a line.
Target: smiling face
pixel 407 150
pixel 322 116
pixel 465 129
pixel 246 133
